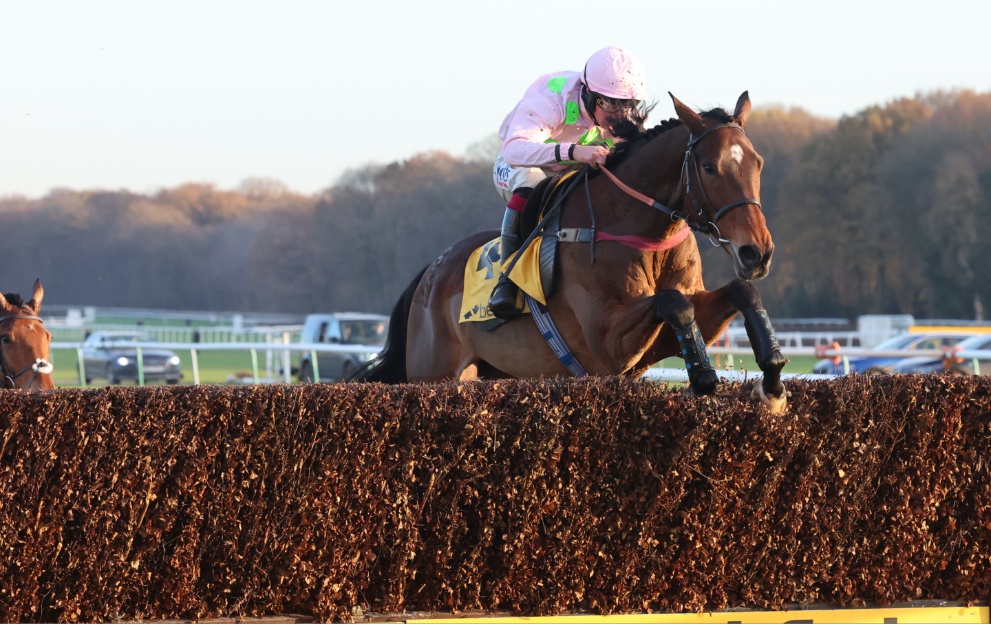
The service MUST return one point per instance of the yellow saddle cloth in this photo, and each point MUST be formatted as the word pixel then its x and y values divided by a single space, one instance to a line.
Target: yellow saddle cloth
pixel 482 273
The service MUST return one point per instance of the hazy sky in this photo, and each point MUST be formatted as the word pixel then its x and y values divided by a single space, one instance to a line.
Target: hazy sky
pixel 143 95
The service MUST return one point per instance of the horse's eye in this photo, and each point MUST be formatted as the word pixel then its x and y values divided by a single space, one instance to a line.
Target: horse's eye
pixel 5 338
pixel 709 168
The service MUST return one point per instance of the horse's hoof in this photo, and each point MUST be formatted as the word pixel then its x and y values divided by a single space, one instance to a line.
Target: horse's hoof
pixel 705 383
pixel 775 404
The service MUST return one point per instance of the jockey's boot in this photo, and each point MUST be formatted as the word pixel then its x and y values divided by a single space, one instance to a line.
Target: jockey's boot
pixel 502 302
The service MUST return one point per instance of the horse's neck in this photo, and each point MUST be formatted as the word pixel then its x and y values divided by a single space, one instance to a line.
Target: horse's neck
pixel 658 164
pixel 655 171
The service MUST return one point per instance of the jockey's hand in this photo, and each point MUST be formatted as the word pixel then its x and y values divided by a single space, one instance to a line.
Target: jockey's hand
pixel 594 155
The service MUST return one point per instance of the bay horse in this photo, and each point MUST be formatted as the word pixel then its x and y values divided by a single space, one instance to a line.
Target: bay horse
pixel 25 344
pixel 635 296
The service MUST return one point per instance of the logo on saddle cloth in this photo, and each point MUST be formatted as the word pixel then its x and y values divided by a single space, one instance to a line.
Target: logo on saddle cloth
pixel 483 270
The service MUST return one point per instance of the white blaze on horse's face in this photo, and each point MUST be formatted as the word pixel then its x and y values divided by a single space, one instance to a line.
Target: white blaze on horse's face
pixel 736 153
pixel 745 234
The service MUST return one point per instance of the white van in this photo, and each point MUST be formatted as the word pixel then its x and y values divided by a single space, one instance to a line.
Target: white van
pixel 340 328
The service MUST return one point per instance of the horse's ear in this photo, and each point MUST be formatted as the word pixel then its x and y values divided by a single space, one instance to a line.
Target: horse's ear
pixel 4 306
pixel 689 117
pixel 39 294
pixel 742 109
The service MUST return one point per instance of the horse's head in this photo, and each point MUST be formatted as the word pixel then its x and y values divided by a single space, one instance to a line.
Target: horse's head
pixel 721 174
pixel 25 344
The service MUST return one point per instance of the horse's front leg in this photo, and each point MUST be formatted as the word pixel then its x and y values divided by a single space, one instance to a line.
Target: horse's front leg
pixel 722 304
pixel 674 308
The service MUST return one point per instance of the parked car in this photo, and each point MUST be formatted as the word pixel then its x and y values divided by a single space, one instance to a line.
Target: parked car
pixel 869 365
pixel 341 328
pixel 112 355
pixel 960 366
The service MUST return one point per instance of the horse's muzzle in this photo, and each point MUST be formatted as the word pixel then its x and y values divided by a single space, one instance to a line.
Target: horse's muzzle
pixel 753 263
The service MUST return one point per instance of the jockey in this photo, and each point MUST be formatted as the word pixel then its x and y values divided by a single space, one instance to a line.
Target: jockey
pixel 563 118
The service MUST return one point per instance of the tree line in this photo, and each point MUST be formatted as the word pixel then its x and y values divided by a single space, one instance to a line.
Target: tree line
pixel 885 211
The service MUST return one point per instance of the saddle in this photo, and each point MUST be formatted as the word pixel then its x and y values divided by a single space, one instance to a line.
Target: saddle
pixel 532 268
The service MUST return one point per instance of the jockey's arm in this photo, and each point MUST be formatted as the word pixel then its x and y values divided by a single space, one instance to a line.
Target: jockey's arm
pixel 533 135
pixel 528 150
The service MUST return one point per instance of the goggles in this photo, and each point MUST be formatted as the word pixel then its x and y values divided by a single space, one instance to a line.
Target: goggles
pixel 611 105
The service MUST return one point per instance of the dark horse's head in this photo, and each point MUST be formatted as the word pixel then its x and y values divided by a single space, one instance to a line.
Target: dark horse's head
pixel 721 181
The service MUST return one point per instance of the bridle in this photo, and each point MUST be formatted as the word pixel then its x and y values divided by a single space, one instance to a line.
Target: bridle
pixel 41 366
pixel 701 224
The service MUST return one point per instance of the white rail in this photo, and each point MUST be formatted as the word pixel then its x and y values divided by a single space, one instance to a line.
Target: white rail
pixel 680 375
pixel 194 348
pixel 283 352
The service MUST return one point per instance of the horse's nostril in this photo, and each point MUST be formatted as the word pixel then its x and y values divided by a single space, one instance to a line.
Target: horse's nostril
pixel 750 256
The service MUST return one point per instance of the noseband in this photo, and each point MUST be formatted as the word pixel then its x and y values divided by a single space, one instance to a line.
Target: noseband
pixel 41 366
pixel 703 225
pixel 709 229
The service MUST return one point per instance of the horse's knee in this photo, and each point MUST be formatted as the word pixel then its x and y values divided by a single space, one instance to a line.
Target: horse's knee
pixel 743 294
pixel 673 307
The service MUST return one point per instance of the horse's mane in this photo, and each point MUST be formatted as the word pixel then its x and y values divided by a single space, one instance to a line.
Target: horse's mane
pixel 632 137
pixel 14 299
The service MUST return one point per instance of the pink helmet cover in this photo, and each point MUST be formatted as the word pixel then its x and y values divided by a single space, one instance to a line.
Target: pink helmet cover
pixel 615 73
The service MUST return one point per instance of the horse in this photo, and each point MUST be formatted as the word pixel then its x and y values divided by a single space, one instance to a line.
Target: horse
pixel 25 344
pixel 629 295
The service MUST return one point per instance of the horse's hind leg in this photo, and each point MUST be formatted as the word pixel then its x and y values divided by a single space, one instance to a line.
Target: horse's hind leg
pixel 673 308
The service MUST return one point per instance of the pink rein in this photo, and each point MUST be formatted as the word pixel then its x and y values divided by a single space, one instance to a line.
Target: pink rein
pixel 640 242
pixel 647 244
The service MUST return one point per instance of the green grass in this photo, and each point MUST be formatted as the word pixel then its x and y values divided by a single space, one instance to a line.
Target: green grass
pixel 797 364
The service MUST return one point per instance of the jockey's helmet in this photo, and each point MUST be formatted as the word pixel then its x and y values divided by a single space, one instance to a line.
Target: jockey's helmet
pixel 615 73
